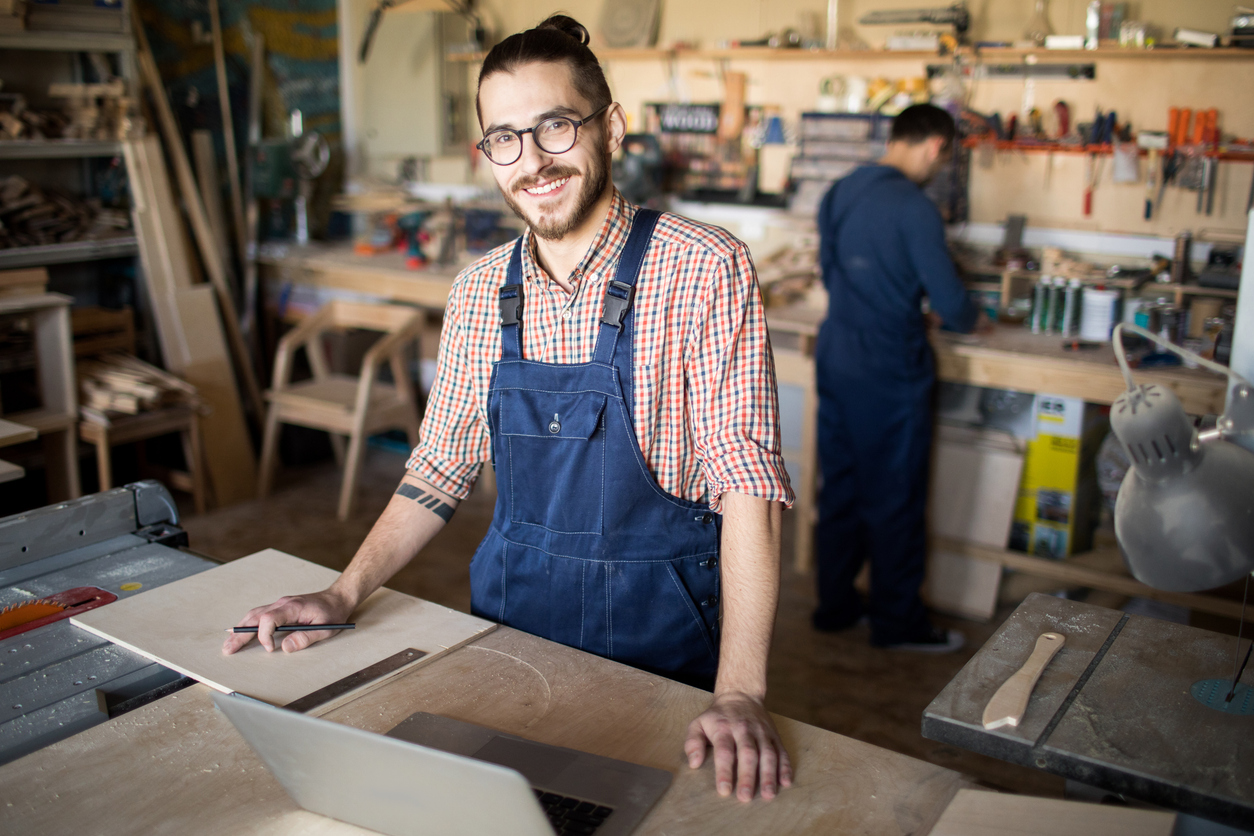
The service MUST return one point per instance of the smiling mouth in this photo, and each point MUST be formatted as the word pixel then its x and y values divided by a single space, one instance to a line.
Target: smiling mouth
pixel 547 187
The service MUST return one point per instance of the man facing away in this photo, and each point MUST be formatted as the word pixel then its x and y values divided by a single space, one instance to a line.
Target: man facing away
pixel 613 364
pixel 882 249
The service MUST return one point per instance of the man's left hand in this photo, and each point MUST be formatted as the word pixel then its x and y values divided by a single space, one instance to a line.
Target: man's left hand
pixel 747 749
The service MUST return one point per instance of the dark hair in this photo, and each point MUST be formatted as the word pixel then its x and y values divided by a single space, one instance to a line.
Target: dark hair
pixel 922 121
pixel 557 39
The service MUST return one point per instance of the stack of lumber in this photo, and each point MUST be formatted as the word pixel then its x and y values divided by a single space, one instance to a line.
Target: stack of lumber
pixel 119 384
pixel 97 330
pixel 30 281
pixel 31 216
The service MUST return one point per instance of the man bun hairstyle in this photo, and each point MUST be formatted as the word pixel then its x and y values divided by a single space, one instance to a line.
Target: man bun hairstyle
pixel 557 39
pixel 923 121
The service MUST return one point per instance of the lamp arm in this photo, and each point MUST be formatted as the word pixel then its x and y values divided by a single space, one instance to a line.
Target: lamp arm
pixel 1167 344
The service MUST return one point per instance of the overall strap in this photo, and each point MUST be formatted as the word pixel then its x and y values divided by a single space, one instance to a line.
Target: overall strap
pixel 511 302
pixel 621 291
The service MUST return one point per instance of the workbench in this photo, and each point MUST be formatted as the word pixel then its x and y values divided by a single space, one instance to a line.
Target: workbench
pixel 336 267
pixel 1012 357
pixel 178 766
pixel 1113 709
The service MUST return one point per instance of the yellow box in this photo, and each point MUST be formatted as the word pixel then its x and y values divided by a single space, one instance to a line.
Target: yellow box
pixel 1057 494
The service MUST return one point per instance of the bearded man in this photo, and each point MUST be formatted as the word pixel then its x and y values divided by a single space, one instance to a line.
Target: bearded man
pixel 613 365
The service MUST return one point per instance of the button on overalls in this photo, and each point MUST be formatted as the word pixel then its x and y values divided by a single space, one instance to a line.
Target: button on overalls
pixel 585 547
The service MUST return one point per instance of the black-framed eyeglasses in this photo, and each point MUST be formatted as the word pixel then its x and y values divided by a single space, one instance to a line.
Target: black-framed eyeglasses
pixel 553 136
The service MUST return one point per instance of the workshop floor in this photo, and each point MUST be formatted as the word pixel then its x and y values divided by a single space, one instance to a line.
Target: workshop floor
pixel 837 682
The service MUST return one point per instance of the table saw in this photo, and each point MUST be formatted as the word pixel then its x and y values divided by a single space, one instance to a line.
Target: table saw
pixel 57 561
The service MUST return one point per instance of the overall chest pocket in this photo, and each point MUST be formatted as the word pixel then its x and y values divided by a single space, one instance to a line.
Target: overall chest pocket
pixel 556 447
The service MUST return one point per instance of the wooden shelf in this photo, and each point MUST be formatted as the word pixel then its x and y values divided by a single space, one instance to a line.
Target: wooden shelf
pixel 1100 569
pixel 67 41
pixel 986 55
pixel 1103 149
pixel 45 149
pixel 122 246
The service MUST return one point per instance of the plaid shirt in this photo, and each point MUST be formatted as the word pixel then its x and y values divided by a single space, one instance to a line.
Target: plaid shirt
pixel 705 409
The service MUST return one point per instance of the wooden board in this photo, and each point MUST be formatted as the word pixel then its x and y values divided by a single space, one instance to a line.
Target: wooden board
pixel 182 626
pixel 178 766
pixel 228 447
pixel 977 813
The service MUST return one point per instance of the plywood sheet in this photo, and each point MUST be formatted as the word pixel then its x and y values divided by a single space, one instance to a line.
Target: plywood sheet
pixel 181 625
pixel 976 813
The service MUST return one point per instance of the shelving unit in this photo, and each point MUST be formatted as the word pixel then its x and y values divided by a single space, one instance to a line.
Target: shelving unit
pixel 29 56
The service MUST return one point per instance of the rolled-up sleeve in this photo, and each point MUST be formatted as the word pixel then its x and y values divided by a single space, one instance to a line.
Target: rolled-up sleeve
pixel 454 441
pixel 732 400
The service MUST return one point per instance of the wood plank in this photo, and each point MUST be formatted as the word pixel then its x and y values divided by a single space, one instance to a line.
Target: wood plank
pixel 1069 573
pixel 228 127
pixel 978 813
pixel 207 176
pixel 229 455
pixel 181 625
pixel 26 276
pixel 216 268
pixel 188 326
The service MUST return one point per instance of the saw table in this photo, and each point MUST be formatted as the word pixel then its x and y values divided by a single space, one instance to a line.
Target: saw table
pixel 56 679
pixel 1114 709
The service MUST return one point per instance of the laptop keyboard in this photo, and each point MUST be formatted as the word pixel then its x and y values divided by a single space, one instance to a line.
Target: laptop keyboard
pixel 572 816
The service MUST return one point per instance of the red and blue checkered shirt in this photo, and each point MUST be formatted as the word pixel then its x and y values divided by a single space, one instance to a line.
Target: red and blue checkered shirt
pixel 706 414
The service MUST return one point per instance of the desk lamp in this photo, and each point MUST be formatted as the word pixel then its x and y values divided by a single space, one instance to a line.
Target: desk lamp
pixel 1185 511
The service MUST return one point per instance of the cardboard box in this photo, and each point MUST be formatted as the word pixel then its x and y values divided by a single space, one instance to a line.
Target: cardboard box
pixel 1057 504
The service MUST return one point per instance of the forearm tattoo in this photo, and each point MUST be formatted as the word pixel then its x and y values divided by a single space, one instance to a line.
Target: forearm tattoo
pixel 427 500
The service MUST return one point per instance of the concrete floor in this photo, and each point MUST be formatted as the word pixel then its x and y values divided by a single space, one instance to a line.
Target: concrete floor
pixel 837 682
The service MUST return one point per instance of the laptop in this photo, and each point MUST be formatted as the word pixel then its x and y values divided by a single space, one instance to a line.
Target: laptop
pixel 436 775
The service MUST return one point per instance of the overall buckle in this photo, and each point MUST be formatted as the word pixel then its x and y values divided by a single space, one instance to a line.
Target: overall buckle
pixel 618 299
pixel 511 301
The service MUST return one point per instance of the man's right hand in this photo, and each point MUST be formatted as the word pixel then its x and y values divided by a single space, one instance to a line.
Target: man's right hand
pixel 326 607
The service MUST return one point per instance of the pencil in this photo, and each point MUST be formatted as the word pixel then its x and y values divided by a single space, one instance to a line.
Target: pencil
pixel 294 628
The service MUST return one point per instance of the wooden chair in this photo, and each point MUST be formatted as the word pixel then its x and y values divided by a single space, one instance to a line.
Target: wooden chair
pixel 341 404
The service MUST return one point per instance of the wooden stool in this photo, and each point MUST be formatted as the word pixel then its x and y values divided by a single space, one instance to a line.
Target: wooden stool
pixel 145 425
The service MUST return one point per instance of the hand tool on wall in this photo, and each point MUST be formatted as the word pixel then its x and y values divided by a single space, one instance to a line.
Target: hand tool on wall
pixel 1063 112
pixel 1210 137
pixel 1153 142
pixel 1009 704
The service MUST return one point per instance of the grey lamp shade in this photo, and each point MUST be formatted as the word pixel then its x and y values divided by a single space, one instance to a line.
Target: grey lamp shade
pixel 1185 511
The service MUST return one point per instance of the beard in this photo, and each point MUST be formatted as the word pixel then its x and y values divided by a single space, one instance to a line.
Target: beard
pixel 554 227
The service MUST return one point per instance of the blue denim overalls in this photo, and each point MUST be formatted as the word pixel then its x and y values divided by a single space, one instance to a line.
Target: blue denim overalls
pixel 585 548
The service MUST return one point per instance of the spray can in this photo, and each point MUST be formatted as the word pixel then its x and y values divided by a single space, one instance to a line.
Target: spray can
pixel 1040 299
pixel 1092 24
pixel 1180 257
pixel 1054 306
pixel 1070 308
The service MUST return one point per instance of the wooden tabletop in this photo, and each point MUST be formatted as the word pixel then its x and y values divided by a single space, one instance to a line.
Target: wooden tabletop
pixel 178 766
pixel 385 274
pixel 1012 357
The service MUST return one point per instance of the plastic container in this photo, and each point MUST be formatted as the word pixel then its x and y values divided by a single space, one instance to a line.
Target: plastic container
pixel 1099 314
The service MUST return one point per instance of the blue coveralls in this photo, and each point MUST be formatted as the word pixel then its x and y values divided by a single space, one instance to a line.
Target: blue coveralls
pixel 882 249
pixel 585 547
